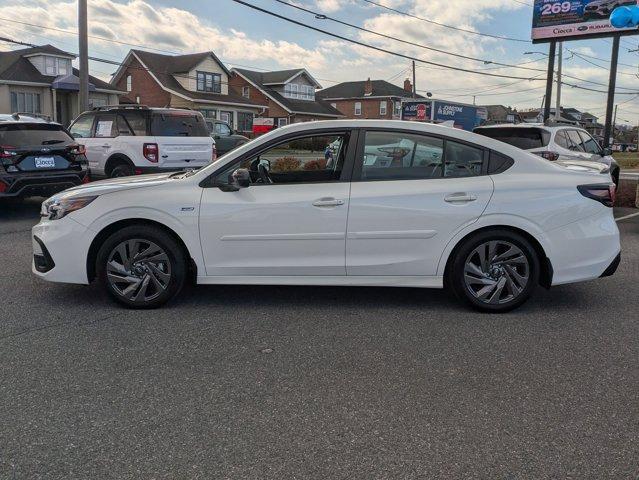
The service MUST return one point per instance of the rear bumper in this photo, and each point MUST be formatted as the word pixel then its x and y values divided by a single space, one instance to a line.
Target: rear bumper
pixel 40 184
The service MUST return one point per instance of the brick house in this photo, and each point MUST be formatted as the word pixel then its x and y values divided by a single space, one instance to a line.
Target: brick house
pixel 198 81
pixel 288 96
pixel 373 99
pixel 41 81
pixel 502 114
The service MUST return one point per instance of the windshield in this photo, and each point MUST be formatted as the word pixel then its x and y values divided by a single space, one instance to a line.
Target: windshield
pixel 21 134
pixel 520 137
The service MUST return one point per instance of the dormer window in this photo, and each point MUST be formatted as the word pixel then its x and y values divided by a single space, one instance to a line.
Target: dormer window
pixel 55 66
pixel 209 82
pixel 301 92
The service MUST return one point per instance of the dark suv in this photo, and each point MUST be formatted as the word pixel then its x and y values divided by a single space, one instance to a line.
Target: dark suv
pixel 38 158
pixel 225 138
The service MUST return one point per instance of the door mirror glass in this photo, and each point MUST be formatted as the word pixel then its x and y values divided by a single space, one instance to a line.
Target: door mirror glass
pixel 240 178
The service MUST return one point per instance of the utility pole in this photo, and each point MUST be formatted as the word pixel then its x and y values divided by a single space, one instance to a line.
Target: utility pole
pixel 559 58
pixel 83 99
pixel 614 122
pixel 549 78
pixel 414 86
pixel 474 99
pixel 611 90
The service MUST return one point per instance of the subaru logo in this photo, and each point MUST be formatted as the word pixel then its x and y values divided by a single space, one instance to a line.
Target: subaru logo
pixel 45 149
pixel 582 28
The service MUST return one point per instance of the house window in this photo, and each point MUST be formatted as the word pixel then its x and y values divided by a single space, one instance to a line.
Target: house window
pixel 302 92
pixel 245 121
pixel 57 66
pixel 282 122
pixel 382 108
pixel 128 83
pixel 208 112
pixel 227 117
pixel 25 102
pixel 246 92
pixel 397 109
pixel 358 108
pixel 209 82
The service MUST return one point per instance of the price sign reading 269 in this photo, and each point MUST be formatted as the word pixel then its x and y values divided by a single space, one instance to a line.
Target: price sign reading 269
pixel 554 8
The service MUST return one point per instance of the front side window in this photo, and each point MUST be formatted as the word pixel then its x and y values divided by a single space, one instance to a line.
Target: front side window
pixel 222 129
pixel 314 159
pixel 81 128
pixel 358 108
pixel 590 144
pixel 576 143
pixel 406 156
pixel 209 82
pixel 401 156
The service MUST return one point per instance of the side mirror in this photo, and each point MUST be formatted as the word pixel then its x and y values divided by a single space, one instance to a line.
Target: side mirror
pixel 240 178
pixel 606 151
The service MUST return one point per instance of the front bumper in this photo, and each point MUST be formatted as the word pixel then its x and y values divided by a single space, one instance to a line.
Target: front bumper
pixel 60 250
pixel 40 184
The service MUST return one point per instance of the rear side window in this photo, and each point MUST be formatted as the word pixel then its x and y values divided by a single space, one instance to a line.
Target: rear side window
pixel 462 160
pixel 590 144
pixel 499 163
pixel 178 125
pixel 81 128
pixel 520 137
pixel 137 122
pixel 575 140
pixel 24 134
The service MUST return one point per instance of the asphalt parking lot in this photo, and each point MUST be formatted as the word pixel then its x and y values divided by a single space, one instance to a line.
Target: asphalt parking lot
pixel 315 382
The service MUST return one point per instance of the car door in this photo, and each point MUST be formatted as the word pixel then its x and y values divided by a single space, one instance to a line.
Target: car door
pixel 295 225
pixel 410 194
pixel 104 134
pixel 82 131
pixel 222 136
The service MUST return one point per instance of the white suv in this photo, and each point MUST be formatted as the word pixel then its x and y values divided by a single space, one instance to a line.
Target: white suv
pixel 125 140
pixel 567 144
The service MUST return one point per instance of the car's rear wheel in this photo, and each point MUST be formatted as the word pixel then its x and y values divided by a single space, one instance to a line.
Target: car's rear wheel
pixel 494 271
pixel 141 266
pixel 122 170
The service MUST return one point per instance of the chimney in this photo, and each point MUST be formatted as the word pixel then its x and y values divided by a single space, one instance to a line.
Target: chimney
pixel 408 87
pixel 368 87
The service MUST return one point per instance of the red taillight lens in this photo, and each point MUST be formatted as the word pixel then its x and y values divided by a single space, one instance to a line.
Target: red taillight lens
pixel 3 187
pixel 150 152
pixel 214 154
pixel 86 179
pixel 79 149
pixel 5 151
pixel 552 156
pixel 604 193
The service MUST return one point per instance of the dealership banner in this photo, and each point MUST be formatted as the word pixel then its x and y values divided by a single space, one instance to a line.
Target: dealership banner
pixel 563 20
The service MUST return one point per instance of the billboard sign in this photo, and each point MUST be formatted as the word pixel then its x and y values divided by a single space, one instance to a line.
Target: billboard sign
pixel 573 19
pixel 417 111
pixel 463 116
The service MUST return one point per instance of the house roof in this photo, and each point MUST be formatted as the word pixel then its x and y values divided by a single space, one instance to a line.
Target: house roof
pixel 15 67
pixel 261 80
pixel 164 67
pixel 381 88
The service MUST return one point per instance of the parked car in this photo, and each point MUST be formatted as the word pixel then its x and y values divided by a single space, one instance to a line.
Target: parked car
pixel 38 158
pixel 491 222
pixel 225 138
pixel 570 145
pixel 603 8
pixel 129 140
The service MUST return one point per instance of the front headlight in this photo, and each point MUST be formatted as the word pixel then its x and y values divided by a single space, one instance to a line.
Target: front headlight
pixel 55 209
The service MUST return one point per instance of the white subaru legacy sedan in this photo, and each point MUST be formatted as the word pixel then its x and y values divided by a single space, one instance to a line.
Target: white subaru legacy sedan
pixel 367 203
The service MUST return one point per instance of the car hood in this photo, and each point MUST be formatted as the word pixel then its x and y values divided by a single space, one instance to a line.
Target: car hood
pixel 115 184
pixel 583 166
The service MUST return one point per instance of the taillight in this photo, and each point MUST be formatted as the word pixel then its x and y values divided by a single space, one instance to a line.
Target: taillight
pixel 3 187
pixel 604 193
pixel 552 156
pixel 214 154
pixel 150 152
pixel 86 179
pixel 5 151
pixel 78 149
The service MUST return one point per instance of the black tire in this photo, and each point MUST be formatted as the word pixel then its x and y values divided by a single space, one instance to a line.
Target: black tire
pixel 166 273
pixel 121 170
pixel 469 288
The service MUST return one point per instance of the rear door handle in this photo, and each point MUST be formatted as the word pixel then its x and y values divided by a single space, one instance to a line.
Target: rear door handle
pixel 460 197
pixel 106 145
pixel 328 202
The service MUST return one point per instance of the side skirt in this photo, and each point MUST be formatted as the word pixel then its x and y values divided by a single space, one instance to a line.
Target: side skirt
pixel 363 281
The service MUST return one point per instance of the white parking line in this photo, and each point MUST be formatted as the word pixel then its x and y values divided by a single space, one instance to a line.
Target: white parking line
pixel 626 217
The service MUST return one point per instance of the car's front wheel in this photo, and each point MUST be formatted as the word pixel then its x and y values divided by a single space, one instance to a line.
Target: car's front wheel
pixel 494 271
pixel 141 266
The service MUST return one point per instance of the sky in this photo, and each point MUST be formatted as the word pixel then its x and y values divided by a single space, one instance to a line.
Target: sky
pixel 241 36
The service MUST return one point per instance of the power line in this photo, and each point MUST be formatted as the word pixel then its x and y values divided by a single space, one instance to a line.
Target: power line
pixel 321 16
pixel 433 22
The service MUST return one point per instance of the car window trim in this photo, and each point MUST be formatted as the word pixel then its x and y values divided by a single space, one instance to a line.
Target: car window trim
pixel 585 138
pixel 359 157
pixel 347 168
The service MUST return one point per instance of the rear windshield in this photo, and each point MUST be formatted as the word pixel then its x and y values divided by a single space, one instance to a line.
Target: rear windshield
pixel 20 134
pixel 178 125
pixel 524 138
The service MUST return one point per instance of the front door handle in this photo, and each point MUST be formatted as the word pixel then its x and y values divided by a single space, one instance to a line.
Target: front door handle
pixel 106 145
pixel 328 202
pixel 460 197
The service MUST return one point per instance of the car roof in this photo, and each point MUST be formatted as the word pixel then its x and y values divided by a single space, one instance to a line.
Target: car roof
pixel 549 128
pixel 22 118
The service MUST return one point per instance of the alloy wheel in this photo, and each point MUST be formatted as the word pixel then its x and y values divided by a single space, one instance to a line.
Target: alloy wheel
pixel 496 272
pixel 138 270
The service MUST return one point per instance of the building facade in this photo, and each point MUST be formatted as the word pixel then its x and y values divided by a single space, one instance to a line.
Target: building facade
pixel 198 81
pixel 41 81
pixel 286 96
pixel 372 99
